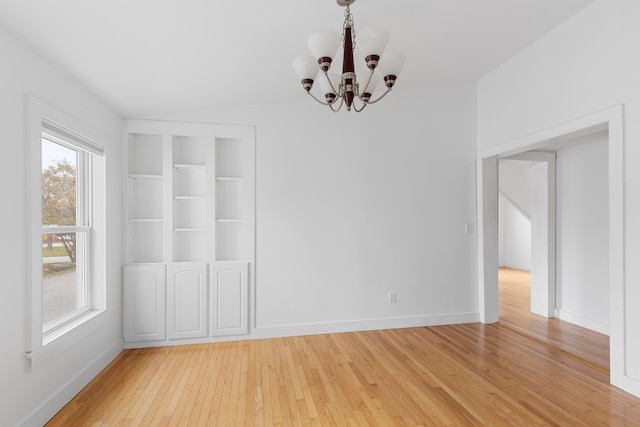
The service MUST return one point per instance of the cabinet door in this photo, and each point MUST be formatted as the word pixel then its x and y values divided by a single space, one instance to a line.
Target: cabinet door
pixel 187 300
pixel 229 298
pixel 144 303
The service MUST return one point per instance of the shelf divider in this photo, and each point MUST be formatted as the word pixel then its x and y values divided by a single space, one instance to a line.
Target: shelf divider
pixel 189 197
pixel 144 176
pixel 190 166
pixel 229 179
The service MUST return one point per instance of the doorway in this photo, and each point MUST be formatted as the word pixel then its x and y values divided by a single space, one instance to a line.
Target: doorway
pixel 609 120
pixel 533 189
pixel 578 303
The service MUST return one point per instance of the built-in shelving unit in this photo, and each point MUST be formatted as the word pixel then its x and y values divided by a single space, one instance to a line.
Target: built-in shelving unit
pixel 190 209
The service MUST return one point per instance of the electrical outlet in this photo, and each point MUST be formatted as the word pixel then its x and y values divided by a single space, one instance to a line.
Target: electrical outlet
pixel 392 297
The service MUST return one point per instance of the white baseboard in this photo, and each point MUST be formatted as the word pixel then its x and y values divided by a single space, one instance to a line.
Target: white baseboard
pixel 261 332
pixel 187 341
pixel 632 385
pixel 585 322
pixel 43 413
pixel 517 266
pixel 363 325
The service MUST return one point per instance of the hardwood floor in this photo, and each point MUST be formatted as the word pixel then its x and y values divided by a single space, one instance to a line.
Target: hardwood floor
pixel 471 374
pixel 515 313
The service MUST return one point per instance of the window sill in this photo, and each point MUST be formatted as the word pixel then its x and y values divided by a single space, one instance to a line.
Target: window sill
pixel 66 337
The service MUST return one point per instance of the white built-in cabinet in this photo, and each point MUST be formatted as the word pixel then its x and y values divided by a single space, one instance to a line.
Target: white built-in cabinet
pixel 190 231
pixel 187 300
pixel 229 298
pixel 144 302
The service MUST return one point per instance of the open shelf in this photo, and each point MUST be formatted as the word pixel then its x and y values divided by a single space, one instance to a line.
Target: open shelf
pixel 189 246
pixel 191 168
pixel 229 200
pixel 146 241
pixel 190 150
pixel 190 213
pixel 229 240
pixel 145 155
pixel 145 199
pixel 189 183
pixel 229 158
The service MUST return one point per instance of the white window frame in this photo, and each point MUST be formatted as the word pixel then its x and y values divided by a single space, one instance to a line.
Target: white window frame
pixel 43 344
pixel 82 228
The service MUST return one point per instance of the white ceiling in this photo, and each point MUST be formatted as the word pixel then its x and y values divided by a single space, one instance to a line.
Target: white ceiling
pixel 156 56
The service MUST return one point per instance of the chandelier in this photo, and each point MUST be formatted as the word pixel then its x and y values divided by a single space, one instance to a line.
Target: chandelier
pixel 345 88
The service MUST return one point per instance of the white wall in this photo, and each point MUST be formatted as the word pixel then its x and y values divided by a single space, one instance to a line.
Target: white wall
pixel 33 397
pixel 515 182
pixel 352 206
pixel 584 66
pixel 514 235
pixel 515 214
pixel 582 237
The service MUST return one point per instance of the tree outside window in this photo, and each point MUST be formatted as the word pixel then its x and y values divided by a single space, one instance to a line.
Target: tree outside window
pixel 62 281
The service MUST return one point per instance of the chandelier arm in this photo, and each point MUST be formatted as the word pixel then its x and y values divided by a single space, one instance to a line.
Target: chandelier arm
pixel 381 96
pixel 366 86
pixel 355 107
pixel 361 108
pixel 335 110
pixel 321 102
pixel 337 92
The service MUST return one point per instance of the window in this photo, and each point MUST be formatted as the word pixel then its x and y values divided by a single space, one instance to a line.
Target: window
pixel 67 283
pixel 66 230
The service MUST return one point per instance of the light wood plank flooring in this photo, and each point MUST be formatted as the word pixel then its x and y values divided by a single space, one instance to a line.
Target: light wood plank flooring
pixel 461 375
pixel 515 313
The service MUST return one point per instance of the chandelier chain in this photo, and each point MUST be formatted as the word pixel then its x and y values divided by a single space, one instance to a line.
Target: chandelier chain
pixel 348 22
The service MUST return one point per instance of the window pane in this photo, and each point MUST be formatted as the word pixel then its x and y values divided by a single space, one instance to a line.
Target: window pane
pixel 59 184
pixel 63 289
